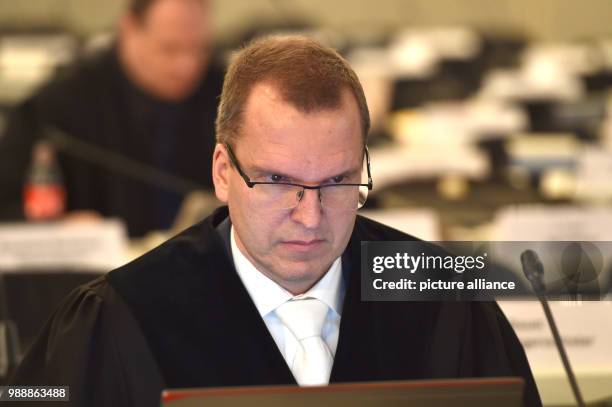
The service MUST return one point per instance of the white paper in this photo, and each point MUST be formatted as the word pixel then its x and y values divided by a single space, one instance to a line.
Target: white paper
pixel 99 246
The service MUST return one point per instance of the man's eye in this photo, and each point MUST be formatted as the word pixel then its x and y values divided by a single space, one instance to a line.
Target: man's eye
pixel 275 178
pixel 338 179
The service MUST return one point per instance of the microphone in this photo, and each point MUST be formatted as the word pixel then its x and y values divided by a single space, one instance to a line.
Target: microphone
pixel 534 271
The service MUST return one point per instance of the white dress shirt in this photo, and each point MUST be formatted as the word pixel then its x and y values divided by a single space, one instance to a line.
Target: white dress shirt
pixel 267 296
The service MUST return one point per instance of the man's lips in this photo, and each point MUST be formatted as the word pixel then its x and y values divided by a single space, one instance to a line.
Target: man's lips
pixel 303 245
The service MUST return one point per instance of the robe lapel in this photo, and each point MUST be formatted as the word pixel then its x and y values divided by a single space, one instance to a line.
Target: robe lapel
pixel 380 340
pixel 254 343
pixel 356 356
pixel 200 323
pixel 255 357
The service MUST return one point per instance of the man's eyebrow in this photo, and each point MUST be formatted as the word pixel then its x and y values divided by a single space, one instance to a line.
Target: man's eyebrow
pixel 348 173
pixel 257 170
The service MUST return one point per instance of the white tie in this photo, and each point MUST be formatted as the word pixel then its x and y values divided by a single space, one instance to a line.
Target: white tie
pixel 313 359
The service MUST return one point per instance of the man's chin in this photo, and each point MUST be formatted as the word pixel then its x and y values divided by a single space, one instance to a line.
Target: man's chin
pixel 303 270
pixel 173 96
pixel 175 93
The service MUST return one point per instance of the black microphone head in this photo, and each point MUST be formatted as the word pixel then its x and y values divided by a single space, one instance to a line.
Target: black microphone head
pixel 533 269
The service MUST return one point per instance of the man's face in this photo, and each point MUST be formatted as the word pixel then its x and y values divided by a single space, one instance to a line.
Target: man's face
pixel 293 247
pixel 169 47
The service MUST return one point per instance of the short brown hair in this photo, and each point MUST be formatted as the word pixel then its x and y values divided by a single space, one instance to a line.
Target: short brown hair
pixel 309 76
pixel 139 8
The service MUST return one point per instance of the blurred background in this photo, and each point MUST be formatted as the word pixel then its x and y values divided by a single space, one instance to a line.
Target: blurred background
pixel 491 121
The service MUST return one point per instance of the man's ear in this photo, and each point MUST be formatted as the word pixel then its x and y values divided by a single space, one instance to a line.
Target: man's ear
pixel 221 172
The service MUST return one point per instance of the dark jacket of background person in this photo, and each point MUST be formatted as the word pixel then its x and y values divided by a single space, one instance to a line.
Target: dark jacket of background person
pixel 181 317
pixel 95 102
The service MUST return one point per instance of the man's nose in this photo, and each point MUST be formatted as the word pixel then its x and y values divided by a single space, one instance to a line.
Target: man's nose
pixel 308 212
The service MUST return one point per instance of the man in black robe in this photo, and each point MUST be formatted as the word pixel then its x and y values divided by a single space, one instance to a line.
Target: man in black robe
pixel 198 310
pixel 151 98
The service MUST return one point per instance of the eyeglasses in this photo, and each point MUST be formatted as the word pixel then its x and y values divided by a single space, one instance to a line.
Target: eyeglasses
pixel 287 195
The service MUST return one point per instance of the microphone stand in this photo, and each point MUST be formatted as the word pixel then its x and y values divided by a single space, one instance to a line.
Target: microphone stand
pixel 118 163
pixel 561 349
pixel 533 269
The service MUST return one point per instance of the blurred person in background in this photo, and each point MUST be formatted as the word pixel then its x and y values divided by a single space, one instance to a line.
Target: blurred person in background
pixel 150 98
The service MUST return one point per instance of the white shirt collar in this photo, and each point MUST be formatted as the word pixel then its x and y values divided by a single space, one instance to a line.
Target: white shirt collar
pixel 268 295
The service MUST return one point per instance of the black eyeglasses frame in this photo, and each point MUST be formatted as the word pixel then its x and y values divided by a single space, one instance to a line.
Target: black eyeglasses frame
pixel 252 184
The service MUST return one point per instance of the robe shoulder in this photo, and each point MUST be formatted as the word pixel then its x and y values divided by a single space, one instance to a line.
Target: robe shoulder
pixel 92 344
pixel 477 339
pixel 515 354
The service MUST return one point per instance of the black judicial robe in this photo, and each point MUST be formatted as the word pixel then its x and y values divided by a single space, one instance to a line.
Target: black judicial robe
pixel 179 316
pixel 94 102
